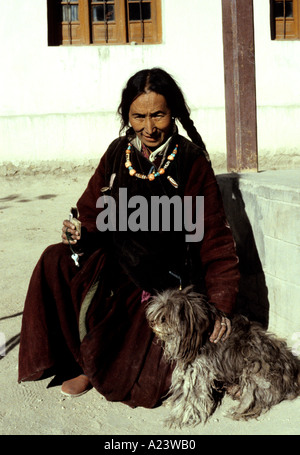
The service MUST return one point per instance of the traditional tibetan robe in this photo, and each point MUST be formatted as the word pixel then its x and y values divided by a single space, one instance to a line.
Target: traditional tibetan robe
pixel 92 318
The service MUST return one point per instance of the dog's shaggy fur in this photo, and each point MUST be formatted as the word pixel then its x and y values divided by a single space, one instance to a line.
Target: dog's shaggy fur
pixel 252 362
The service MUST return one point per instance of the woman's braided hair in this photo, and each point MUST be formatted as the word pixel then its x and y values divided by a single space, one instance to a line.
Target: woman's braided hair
pixel 159 81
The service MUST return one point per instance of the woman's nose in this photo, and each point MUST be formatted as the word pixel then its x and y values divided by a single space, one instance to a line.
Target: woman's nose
pixel 149 125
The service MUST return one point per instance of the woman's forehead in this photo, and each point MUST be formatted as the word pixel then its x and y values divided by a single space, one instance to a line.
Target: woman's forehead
pixel 149 102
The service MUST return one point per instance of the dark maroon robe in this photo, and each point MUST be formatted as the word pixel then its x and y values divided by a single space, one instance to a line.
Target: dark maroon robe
pixel 105 332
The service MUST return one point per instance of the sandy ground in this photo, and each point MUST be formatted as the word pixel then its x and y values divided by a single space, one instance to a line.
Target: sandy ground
pixel 32 208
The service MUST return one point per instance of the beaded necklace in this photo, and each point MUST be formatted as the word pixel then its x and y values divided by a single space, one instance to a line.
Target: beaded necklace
pixel 152 175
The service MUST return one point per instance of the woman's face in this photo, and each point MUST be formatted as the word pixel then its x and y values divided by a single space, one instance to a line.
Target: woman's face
pixel 151 119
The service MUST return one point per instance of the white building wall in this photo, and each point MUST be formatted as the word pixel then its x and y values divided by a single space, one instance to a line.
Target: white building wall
pixel 59 103
pixel 278 88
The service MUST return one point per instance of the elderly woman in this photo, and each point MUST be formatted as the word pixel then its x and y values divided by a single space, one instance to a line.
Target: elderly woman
pixel 87 324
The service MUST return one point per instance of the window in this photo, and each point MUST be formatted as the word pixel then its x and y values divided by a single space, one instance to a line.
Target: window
pixel 76 22
pixel 285 19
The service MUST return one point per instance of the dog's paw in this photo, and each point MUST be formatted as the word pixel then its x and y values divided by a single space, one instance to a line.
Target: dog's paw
pixel 236 414
pixel 173 423
pixel 182 421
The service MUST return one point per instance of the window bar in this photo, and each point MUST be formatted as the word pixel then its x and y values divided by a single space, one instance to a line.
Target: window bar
pixel 142 21
pixel 69 22
pixel 284 19
pixel 106 23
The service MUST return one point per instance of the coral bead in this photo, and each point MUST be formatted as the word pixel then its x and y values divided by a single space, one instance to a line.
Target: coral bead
pixel 128 164
pixel 170 158
pixel 151 177
pixel 161 171
pixel 132 172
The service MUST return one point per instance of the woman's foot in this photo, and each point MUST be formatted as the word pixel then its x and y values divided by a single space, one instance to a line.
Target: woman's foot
pixel 76 386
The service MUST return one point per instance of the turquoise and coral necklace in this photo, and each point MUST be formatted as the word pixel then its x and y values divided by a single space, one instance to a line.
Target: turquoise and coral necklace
pixel 155 173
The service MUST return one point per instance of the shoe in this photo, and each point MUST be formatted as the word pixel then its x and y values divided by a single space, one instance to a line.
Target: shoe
pixel 76 387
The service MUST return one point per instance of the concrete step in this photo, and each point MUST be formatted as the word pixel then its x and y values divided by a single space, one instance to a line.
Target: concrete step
pixel 264 212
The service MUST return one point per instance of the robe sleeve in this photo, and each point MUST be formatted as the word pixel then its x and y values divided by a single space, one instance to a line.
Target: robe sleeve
pixel 217 248
pixel 91 238
pixel 86 204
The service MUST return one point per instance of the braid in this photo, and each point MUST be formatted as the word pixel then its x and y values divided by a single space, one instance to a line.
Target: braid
pixel 192 132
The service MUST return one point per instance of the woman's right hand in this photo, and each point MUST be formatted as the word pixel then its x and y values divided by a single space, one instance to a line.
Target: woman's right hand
pixel 69 227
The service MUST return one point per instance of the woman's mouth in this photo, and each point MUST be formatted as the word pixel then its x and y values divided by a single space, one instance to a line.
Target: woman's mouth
pixel 150 138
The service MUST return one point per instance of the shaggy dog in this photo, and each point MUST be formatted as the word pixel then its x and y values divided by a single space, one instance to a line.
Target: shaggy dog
pixel 252 364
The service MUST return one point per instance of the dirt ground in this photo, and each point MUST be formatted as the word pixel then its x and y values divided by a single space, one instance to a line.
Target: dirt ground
pixel 32 208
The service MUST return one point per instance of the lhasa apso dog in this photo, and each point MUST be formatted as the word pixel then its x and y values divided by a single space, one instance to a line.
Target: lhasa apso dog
pixel 252 365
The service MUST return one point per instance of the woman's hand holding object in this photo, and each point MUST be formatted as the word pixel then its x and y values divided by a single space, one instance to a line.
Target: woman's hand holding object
pixel 69 230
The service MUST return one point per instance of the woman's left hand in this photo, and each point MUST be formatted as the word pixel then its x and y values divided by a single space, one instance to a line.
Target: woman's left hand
pixel 222 329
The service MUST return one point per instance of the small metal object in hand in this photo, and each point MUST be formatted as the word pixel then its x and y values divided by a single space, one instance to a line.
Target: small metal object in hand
pixel 75 258
pixel 77 224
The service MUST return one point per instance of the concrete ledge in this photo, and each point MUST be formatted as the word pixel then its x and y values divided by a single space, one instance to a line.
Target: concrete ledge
pixel 264 212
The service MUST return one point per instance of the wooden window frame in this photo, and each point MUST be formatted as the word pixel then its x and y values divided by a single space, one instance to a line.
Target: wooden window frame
pixel 85 31
pixel 285 28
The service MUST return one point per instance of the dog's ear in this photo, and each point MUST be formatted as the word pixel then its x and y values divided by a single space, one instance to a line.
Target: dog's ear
pixel 194 323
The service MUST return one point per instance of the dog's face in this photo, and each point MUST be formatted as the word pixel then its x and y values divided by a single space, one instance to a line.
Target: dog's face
pixel 164 316
pixel 179 319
